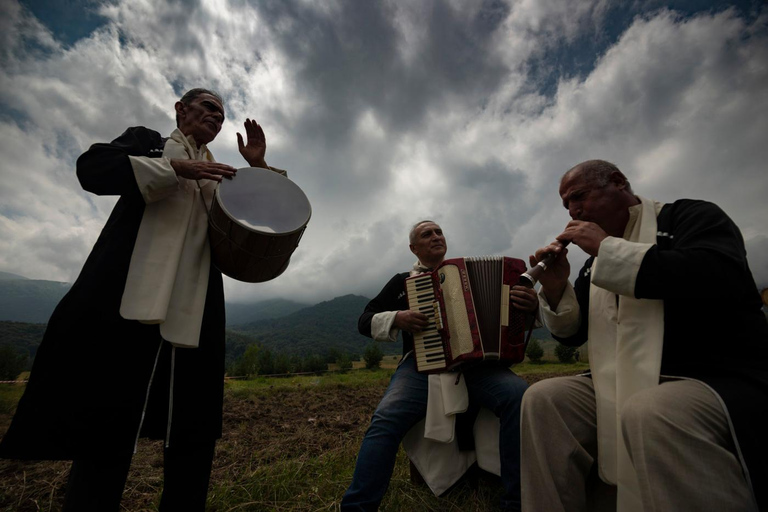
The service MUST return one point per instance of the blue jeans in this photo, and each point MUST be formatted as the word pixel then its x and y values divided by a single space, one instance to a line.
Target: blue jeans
pixel 405 404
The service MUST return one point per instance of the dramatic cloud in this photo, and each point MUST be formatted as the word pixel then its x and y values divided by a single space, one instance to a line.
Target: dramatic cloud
pixel 389 112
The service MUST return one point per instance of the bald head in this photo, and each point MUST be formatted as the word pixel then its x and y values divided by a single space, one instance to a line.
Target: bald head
pixel 596 174
pixel 597 191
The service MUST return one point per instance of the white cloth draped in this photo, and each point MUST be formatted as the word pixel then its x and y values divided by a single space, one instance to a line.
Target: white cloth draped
pixel 168 274
pixel 626 338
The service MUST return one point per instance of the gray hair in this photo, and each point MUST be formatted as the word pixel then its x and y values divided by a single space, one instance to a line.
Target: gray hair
pixel 191 94
pixel 412 234
pixel 596 173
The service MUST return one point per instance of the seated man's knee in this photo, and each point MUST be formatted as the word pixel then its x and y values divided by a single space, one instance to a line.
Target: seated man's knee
pixel 648 410
pixel 547 393
pixel 398 413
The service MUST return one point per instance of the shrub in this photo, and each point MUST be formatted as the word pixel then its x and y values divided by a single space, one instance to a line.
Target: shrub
pixel 248 364
pixel 564 353
pixel 344 362
pixel 314 363
pixel 534 351
pixel 373 356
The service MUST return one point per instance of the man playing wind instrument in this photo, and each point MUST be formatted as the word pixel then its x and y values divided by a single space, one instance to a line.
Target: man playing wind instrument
pixel 673 412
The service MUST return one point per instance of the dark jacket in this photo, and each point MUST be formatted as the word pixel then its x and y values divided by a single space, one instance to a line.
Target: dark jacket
pixel 391 298
pixel 91 375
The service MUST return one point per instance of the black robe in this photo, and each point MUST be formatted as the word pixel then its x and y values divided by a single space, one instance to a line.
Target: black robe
pixel 91 374
pixel 714 328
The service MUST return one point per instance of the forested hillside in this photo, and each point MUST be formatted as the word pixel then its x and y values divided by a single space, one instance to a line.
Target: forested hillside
pixel 29 300
pixel 23 338
pixel 330 325
pixel 239 313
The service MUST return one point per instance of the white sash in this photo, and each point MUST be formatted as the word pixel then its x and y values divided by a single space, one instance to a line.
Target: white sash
pixel 625 344
pixel 168 275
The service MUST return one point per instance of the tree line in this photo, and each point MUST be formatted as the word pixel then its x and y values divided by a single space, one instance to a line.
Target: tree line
pixel 258 360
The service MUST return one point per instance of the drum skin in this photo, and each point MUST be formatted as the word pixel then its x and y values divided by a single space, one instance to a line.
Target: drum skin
pixel 239 248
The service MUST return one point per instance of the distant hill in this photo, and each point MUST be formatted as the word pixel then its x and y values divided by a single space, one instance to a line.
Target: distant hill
pixel 319 329
pixel 282 326
pixel 26 337
pixel 29 300
pixel 238 313
pixel 7 276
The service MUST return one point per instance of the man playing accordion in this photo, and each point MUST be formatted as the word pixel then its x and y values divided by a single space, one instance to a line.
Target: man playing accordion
pixel 404 404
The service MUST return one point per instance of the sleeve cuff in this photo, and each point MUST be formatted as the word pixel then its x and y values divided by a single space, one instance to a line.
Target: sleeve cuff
pixel 618 262
pixel 565 321
pixel 382 326
pixel 155 177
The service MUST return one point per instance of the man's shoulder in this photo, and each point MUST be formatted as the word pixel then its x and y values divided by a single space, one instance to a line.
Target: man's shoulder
pixel 689 214
pixel 690 207
pixel 142 141
pixel 395 285
pixel 399 278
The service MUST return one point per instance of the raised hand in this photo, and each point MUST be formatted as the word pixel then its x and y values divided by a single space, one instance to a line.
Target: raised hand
pixel 587 235
pixel 256 148
pixel 197 170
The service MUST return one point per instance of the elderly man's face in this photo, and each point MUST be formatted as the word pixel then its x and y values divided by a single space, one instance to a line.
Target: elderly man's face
pixel 429 243
pixel 605 206
pixel 202 118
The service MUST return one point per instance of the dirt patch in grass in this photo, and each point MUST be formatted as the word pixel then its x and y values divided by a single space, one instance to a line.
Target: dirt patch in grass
pixel 286 423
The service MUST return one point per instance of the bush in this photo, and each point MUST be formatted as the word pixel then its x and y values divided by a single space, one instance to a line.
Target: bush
pixel 314 363
pixel 248 364
pixel 564 353
pixel 344 362
pixel 281 364
pixel 534 351
pixel 373 356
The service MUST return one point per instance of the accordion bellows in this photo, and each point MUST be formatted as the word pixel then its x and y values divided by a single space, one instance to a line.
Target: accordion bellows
pixel 467 301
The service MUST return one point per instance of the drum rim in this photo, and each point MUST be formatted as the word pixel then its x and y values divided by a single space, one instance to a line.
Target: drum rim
pixel 220 203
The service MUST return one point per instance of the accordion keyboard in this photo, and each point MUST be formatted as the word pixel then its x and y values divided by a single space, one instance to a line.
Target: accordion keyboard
pixel 428 345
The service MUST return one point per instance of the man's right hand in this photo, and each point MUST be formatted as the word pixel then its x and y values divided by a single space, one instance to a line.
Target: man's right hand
pixel 555 278
pixel 197 170
pixel 411 321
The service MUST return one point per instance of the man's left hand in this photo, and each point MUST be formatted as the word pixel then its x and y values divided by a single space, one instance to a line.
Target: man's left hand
pixel 256 148
pixel 524 298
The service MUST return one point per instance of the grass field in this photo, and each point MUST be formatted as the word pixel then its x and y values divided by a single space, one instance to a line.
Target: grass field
pixel 289 444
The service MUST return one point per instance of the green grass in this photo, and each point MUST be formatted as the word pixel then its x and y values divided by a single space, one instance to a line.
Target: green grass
pixel 9 397
pixel 289 445
pixel 528 368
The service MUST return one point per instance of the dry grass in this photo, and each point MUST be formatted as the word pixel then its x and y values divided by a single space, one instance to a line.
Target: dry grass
pixel 288 445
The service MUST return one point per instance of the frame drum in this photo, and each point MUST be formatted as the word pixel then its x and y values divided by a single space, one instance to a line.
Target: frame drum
pixel 255 224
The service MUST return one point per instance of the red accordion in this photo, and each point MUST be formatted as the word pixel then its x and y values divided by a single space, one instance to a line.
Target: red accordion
pixel 467 301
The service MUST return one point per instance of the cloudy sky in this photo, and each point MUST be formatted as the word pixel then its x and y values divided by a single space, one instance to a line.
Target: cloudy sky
pixel 466 112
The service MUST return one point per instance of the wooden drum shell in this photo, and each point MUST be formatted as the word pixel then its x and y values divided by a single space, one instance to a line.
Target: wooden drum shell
pixel 246 254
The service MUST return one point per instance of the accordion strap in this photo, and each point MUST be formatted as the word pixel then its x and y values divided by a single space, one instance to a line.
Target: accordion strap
pixel 528 336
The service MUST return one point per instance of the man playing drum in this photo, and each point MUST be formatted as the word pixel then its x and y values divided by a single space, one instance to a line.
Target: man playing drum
pixel 136 347
pixel 405 402
pixel 673 413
